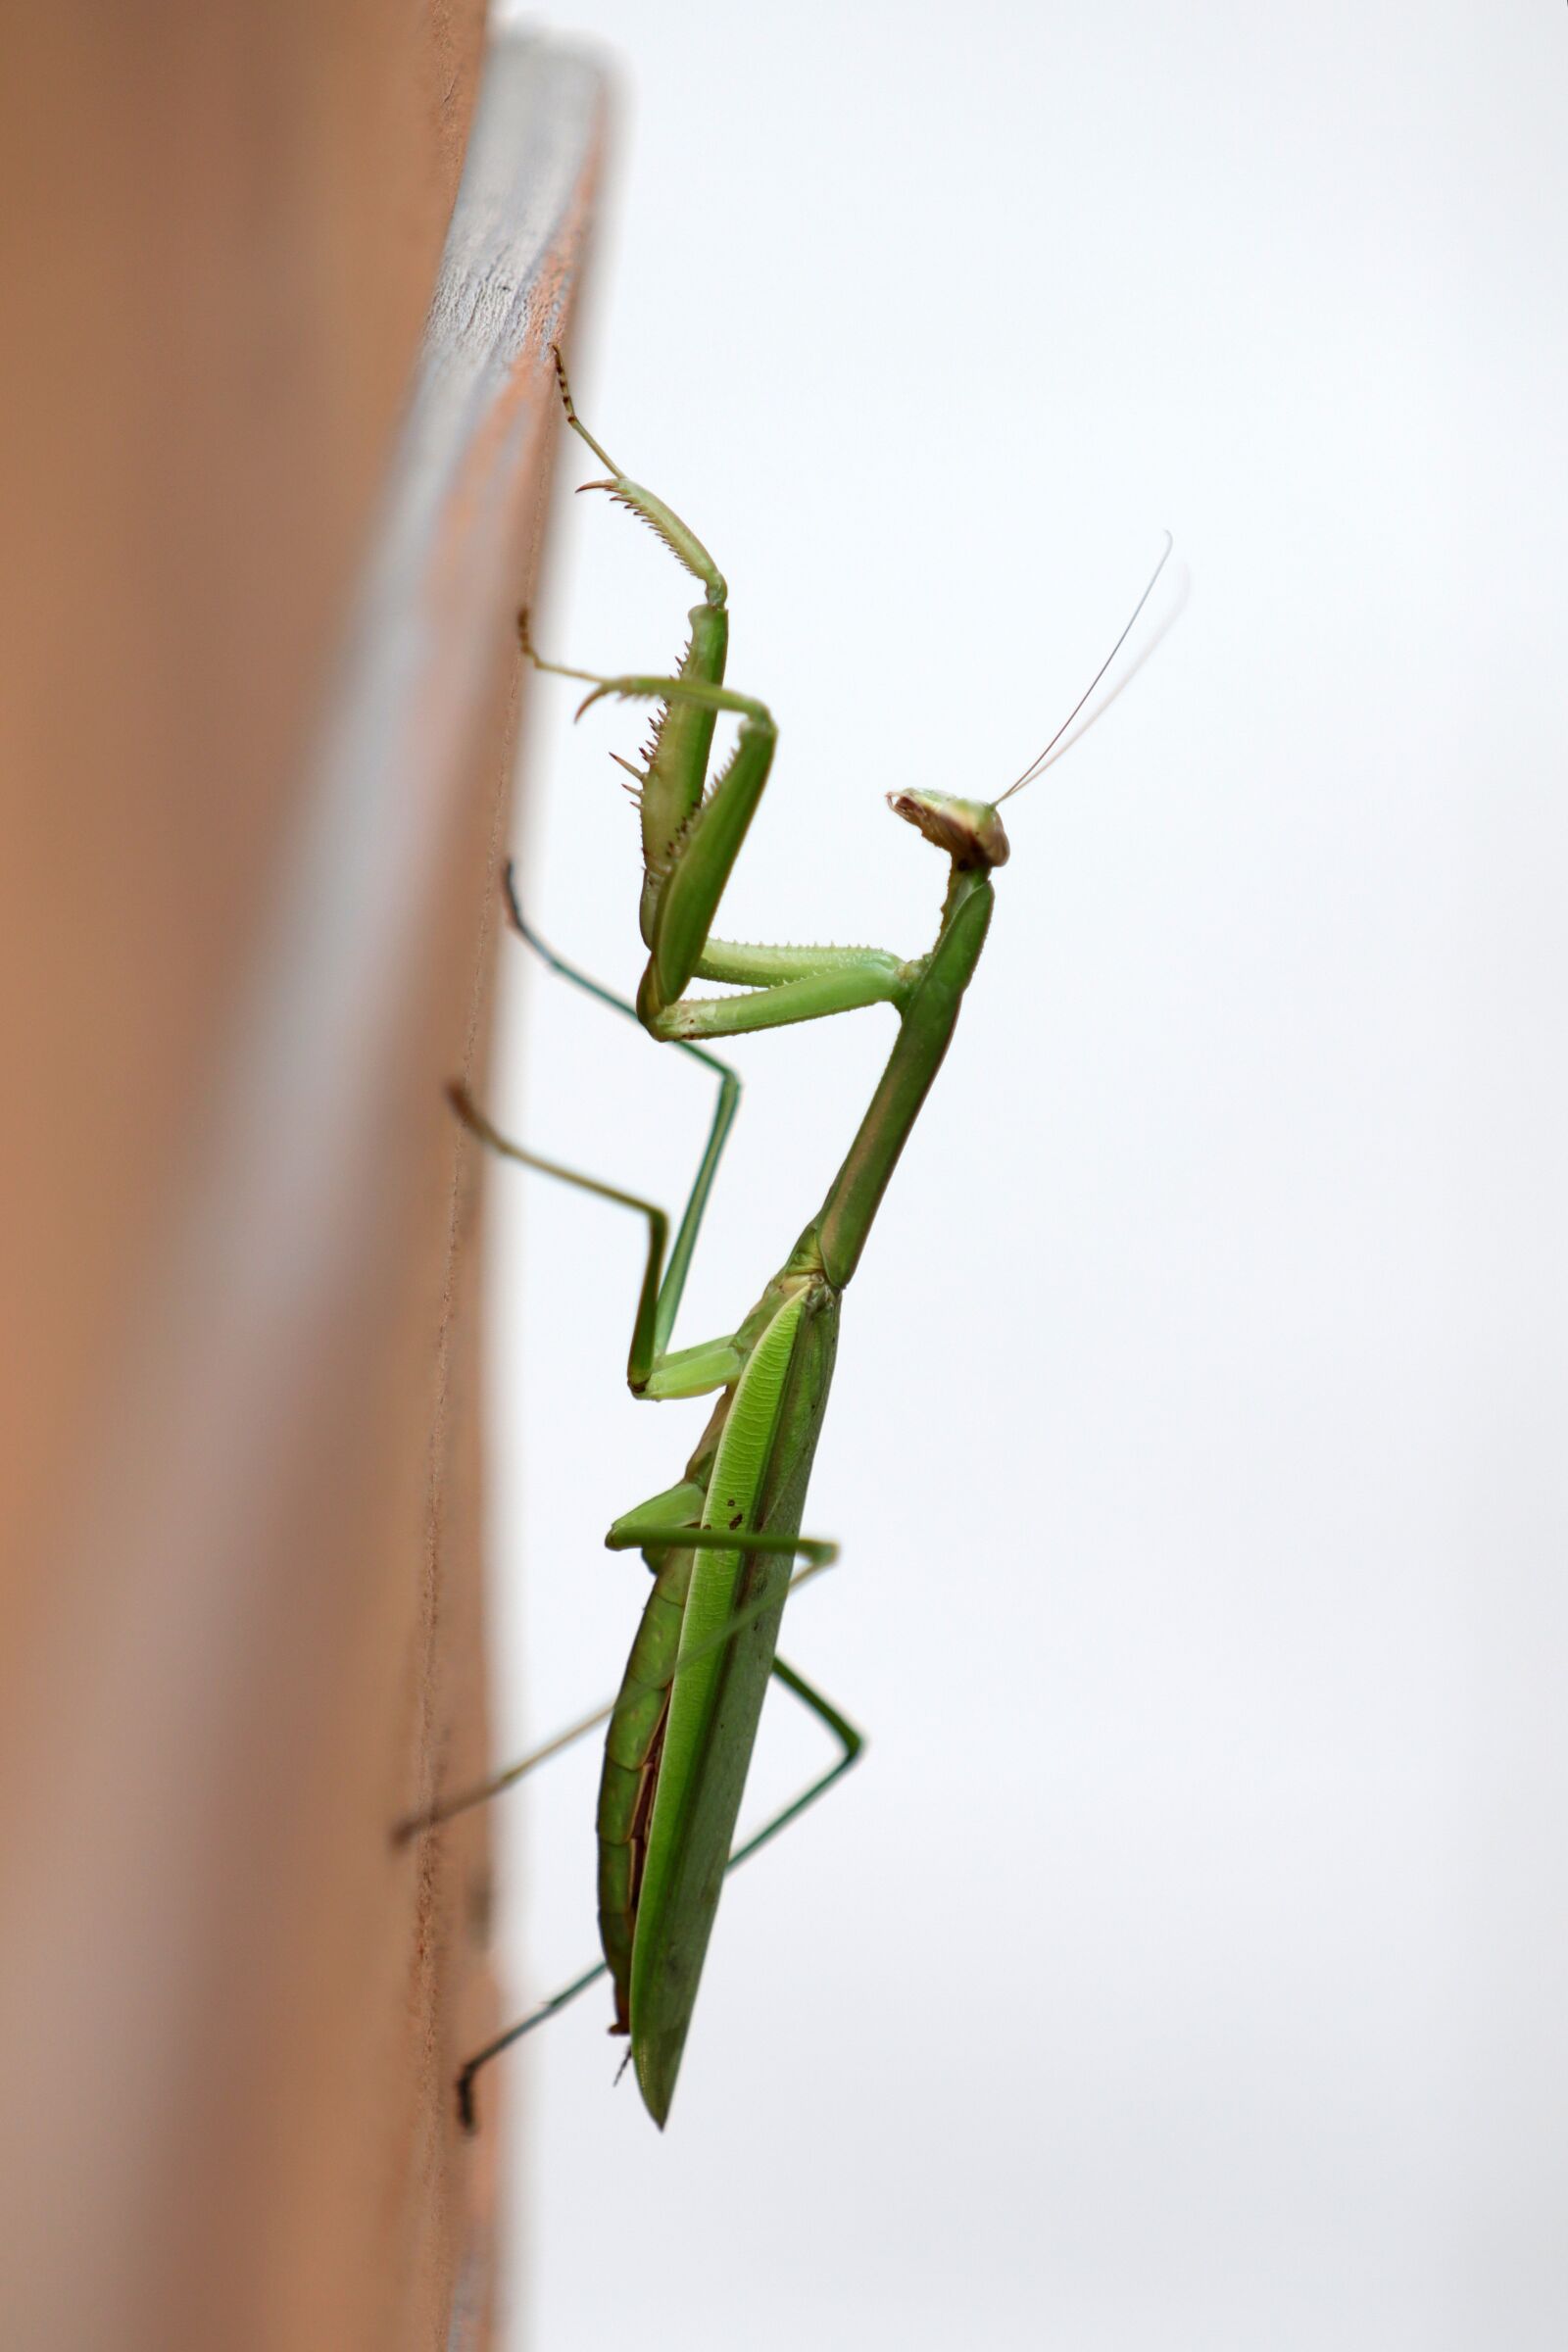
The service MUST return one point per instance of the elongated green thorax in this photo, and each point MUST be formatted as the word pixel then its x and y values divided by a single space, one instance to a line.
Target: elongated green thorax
pixel 925 1031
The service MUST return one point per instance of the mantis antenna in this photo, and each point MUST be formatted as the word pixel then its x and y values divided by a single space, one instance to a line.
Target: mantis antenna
pixel 1035 766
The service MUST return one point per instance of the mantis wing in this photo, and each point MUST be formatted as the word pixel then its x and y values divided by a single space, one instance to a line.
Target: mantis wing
pixel 759 1480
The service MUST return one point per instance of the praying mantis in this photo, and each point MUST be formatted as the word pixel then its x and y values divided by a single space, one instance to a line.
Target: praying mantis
pixel 722 1543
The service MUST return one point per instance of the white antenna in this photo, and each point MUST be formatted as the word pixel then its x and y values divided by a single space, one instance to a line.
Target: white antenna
pixel 1035 766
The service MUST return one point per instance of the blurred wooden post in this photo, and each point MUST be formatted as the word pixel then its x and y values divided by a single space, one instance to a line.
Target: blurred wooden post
pixel 259 672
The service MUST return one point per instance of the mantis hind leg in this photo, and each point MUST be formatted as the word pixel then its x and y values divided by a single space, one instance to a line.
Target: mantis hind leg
pixel 464 1801
pixel 818 1554
pixel 853 1745
pixel 851 1741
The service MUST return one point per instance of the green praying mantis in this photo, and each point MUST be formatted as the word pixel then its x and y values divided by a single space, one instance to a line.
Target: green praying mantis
pixel 724 1543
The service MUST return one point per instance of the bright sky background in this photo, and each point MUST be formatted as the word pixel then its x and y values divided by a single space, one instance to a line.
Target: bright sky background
pixel 1183 1969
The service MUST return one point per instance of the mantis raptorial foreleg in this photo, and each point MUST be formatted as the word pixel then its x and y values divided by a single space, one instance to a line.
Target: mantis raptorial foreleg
pixel 787 983
pixel 692 831
pixel 670 787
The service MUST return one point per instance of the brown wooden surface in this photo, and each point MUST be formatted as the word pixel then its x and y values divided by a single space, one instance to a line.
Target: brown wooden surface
pixel 220 230
pixel 258 685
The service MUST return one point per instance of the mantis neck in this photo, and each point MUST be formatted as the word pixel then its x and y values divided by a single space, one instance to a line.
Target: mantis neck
pixel 925 1025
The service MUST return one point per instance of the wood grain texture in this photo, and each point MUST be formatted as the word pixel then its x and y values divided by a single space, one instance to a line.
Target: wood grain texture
pixel 242 1634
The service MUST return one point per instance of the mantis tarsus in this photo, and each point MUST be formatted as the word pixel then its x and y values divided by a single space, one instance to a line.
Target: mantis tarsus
pixel 722 1543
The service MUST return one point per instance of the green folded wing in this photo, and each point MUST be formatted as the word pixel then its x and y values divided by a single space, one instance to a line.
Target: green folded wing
pixel 758 1482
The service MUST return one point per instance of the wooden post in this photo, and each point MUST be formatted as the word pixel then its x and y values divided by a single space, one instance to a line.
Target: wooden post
pixel 263 672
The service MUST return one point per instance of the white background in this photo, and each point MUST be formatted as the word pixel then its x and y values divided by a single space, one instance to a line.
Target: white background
pixel 1185 1966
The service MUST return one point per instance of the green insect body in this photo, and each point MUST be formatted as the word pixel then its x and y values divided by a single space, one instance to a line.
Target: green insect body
pixel 674 1773
pixel 722 1545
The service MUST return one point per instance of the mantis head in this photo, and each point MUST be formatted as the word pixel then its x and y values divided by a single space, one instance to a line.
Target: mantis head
pixel 970 831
